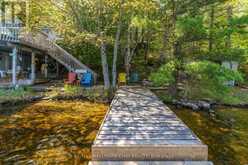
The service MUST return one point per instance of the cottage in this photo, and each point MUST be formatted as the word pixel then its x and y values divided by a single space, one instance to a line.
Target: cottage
pixel 26 57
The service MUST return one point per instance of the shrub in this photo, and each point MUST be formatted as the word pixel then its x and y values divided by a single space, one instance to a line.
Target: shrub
pixel 204 79
pixel 164 75
pixel 209 79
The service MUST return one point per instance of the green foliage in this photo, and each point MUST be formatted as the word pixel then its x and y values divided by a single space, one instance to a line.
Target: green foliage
pixel 236 96
pixel 164 75
pixel 204 78
pixel 192 28
pixel 143 23
pixel 231 54
pixel 13 94
pixel 239 24
pixel 209 79
pixel 205 70
pixel 70 89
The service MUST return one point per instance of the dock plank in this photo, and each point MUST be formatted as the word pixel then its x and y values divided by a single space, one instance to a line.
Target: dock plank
pixel 139 126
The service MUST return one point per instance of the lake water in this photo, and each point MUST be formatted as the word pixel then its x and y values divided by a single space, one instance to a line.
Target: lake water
pixel 225 133
pixel 49 132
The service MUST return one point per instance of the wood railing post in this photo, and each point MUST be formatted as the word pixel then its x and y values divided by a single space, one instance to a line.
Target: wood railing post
pixel 14 57
pixel 46 66
pixel 33 68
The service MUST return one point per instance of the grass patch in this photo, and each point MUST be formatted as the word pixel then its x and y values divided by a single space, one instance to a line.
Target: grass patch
pixel 15 94
pixel 95 93
pixel 236 96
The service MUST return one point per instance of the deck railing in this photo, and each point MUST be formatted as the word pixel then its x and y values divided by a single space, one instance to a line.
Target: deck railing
pixel 10 34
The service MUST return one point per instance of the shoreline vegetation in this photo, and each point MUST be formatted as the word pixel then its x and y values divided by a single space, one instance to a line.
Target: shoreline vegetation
pixel 236 99
pixel 22 96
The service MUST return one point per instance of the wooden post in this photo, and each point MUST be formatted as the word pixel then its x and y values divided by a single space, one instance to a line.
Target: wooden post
pixel 33 67
pixel 46 64
pixel 14 56
pixel 6 62
pixel 57 69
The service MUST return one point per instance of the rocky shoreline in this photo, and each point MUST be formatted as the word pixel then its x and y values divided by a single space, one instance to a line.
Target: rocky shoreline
pixel 203 105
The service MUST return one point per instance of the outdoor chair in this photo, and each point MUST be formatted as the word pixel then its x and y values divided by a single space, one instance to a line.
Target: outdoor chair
pixel 87 80
pixel 122 79
pixel 72 79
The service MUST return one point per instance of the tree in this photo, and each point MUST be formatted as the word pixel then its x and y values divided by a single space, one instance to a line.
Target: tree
pixel 116 45
pixel 117 34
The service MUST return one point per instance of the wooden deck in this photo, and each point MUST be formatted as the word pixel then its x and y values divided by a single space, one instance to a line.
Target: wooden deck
pixel 139 127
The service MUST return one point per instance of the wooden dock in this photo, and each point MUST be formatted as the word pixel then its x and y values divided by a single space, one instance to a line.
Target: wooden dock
pixel 139 127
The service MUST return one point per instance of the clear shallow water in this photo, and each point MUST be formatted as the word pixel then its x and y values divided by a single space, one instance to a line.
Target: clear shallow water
pixel 49 132
pixel 226 134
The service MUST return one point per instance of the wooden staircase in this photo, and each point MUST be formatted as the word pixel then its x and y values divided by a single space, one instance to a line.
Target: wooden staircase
pixel 42 41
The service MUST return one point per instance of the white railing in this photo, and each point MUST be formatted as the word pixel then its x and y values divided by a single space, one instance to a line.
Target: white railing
pixel 10 34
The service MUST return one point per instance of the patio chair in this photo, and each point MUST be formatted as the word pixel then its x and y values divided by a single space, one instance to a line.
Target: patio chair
pixel 122 79
pixel 87 80
pixel 72 79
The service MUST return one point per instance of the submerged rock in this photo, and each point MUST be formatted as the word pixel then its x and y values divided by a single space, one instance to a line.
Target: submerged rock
pixel 194 105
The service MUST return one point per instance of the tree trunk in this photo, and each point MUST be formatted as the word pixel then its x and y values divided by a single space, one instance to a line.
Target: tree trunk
pixel 212 13
pixel 116 47
pixel 176 73
pixel 229 17
pixel 105 69
pixel 166 36
pixel 147 44
pixel 127 55
pixel 176 52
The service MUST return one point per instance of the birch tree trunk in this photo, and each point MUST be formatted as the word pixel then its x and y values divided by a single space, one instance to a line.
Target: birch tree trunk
pixel 116 46
pixel 105 69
